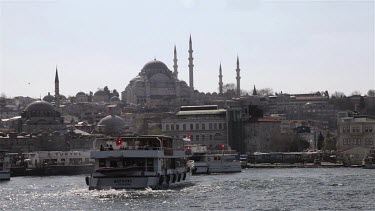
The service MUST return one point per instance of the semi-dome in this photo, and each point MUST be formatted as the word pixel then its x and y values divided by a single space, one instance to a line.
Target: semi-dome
pixel 155 64
pixel 40 106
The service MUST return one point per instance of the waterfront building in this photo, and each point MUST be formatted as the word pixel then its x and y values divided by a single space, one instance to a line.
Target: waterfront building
pixel 355 131
pixel 205 124
pixel 81 97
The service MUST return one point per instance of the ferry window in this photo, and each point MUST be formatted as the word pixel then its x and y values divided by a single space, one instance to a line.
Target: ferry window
pixel 203 137
pixel 225 125
pixel 197 126
pixel 172 126
pixel 101 162
pixel 220 126
pixel 203 126
pixel 197 137
pixel 191 126
pixel 177 127
pixel 215 126
pixel 166 127
pixel 113 163
pixel 184 127
pixel 210 126
pixel 210 137
pixel 87 160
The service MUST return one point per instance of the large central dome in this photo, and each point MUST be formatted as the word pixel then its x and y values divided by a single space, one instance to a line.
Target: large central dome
pixel 155 64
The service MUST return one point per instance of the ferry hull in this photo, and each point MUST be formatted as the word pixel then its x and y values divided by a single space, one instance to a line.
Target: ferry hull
pixel 138 182
pixel 4 175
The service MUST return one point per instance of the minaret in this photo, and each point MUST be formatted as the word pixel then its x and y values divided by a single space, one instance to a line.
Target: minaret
pixel 238 78
pixel 57 90
pixel 220 80
pixel 191 65
pixel 175 66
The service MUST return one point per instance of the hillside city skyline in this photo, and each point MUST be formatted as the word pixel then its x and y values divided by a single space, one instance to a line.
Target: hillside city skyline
pixel 286 46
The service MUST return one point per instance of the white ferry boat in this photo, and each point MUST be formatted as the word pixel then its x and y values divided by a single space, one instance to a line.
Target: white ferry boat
pixel 216 161
pixel 138 162
pixel 45 163
pixel 4 167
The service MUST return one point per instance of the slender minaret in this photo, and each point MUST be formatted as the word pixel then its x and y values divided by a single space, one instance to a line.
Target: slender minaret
pixel 175 66
pixel 220 80
pixel 191 65
pixel 57 90
pixel 238 78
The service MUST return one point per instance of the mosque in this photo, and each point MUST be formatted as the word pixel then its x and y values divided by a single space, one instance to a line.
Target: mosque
pixel 157 85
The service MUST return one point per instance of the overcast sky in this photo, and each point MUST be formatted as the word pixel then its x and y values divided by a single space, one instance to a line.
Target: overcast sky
pixel 290 46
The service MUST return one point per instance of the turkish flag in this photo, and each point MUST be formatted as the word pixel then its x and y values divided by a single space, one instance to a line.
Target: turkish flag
pixel 118 141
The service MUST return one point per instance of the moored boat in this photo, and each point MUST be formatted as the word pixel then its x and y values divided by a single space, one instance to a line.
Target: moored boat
pixel 4 167
pixel 138 162
pixel 214 161
pixel 369 161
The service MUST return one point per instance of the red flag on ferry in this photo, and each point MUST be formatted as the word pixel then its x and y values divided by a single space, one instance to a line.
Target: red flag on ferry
pixel 118 141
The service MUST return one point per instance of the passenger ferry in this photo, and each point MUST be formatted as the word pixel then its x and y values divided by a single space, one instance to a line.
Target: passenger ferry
pixel 4 167
pixel 138 162
pixel 46 163
pixel 215 161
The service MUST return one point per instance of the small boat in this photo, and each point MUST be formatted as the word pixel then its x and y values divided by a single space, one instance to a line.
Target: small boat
pixel 4 166
pixel 214 161
pixel 139 162
pixel 369 161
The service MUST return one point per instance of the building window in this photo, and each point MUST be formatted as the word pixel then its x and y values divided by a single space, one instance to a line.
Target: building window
pixel 167 127
pixel 197 137
pixel 177 127
pixel 215 126
pixel 220 126
pixel 225 126
pixel 191 126
pixel 203 126
pixel 210 137
pixel 353 130
pixel 203 137
pixel 370 129
pixel 197 126
pixel 210 126
pixel 184 127
pixel 172 126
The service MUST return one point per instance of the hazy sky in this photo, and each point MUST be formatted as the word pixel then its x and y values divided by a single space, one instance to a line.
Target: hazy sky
pixel 290 46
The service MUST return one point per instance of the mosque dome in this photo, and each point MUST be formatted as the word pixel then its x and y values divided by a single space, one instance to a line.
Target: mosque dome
pixel 155 64
pixel 49 98
pixel 40 109
pixel 100 93
pixel 80 94
pixel 112 124
pixel 40 106
pixel 114 99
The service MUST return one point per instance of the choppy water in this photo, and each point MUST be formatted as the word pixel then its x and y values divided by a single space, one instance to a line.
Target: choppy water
pixel 253 189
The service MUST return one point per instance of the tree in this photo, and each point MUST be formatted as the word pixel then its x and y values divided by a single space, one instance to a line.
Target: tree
pixel 229 87
pixel 106 90
pixel 356 92
pixel 329 142
pixel 326 94
pixel 362 103
pixel 371 92
pixel 255 91
pixel 265 92
pixel 320 141
pixel 338 94
pixel 115 93
pixel 90 96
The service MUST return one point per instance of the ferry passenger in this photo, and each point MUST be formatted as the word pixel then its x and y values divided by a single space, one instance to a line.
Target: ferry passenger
pixel 101 147
pixel 110 147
